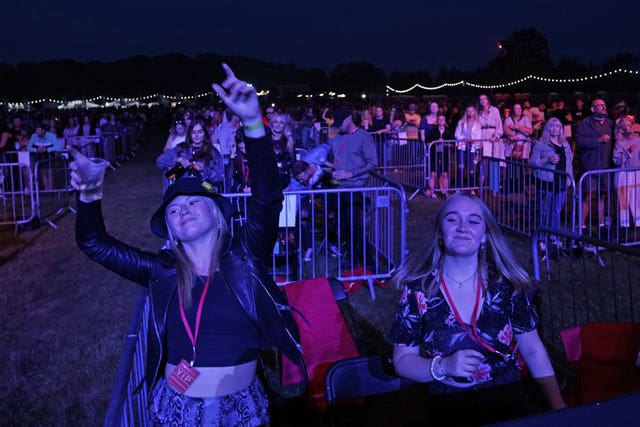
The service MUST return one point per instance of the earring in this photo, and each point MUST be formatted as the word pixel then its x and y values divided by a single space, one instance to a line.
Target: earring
pixel 483 246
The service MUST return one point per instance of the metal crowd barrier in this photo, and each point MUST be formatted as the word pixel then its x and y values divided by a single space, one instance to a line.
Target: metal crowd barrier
pixel 402 159
pixel 128 401
pixel 525 203
pixel 585 286
pixel 17 201
pixel 453 165
pixel 90 146
pixel 121 146
pixel 52 188
pixel 441 166
pixel 113 146
pixel 605 204
pixel 36 185
pixel 608 202
pixel 310 134
pixel 353 234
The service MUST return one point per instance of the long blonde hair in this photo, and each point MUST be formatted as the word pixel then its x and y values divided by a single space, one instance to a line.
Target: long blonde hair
pixel 185 270
pixel 495 259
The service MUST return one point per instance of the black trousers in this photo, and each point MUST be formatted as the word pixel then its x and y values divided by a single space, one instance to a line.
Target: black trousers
pixel 481 406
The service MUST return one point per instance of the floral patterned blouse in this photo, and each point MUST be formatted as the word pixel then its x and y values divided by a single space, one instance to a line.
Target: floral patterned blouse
pixel 430 323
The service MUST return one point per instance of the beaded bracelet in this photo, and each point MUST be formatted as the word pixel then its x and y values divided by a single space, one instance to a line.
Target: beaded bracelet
pixel 435 360
pixel 253 126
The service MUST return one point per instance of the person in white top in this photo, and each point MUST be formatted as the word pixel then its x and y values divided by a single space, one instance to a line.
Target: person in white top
pixel 626 154
pixel 468 134
pixel 492 146
pixel 72 127
pixel 177 134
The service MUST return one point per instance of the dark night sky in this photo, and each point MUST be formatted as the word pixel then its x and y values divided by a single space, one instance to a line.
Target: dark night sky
pixel 402 35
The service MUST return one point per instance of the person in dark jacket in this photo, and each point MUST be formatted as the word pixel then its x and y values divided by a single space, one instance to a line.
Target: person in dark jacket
pixel 439 155
pixel 594 140
pixel 213 305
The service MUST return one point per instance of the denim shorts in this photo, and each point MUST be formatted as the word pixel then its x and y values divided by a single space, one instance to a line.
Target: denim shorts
pixel 248 407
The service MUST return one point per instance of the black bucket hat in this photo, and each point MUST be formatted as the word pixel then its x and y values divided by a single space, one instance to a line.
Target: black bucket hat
pixel 188 186
pixel 340 115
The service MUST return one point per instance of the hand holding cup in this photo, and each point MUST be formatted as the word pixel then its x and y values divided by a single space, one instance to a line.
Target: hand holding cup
pixel 87 176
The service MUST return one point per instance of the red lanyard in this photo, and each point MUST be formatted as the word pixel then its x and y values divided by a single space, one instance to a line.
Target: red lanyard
pixel 473 334
pixel 193 337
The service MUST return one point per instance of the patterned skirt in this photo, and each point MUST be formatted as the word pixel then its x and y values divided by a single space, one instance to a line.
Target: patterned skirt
pixel 248 407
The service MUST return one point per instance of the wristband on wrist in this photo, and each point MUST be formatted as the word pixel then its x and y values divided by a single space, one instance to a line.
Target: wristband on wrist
pixel 436 359
pixel 252 126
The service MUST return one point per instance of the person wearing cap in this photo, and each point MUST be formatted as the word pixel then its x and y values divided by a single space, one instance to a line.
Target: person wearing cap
pixel 354 157
pixel 354 152
pixel 213 304
pixel 411 118
pixel 412 122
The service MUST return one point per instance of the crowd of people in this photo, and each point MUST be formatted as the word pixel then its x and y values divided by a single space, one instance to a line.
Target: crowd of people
pixel 481 131
pixel 44 133
pixel 24 130
pixel 210 277
pixel 464 309
pixel 210 139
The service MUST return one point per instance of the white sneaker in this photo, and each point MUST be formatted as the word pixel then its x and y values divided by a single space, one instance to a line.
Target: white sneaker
pixel 308 255
pixel 334 251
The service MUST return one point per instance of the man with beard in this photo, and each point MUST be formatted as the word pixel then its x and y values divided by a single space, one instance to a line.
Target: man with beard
pixel 594 143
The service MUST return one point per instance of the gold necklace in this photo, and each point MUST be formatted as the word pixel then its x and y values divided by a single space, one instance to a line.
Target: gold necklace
pixel 460 283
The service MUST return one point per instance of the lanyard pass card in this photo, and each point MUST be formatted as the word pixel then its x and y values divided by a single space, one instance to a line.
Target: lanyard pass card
pixel 183 376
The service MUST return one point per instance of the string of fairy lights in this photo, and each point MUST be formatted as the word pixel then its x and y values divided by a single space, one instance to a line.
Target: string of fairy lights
pixel 109 101
pixel 157 97
pixel 518 81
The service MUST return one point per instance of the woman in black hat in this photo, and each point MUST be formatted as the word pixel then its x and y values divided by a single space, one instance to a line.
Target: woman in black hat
pixel 213 303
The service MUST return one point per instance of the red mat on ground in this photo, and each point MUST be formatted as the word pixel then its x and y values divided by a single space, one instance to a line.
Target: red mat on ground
pixel 324 334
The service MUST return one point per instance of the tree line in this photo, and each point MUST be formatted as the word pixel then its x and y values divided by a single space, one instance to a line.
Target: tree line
pixel 522 53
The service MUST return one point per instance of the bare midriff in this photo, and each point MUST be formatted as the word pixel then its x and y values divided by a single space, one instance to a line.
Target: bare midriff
pixel 218 380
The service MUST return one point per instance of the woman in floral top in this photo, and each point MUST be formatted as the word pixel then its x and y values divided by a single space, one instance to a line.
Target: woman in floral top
pixel 462 315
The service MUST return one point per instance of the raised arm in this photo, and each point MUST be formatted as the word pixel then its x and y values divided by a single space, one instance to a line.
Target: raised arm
pixel 265 203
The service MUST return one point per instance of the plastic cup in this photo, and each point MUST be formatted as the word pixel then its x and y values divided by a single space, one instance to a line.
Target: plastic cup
pixel 91 171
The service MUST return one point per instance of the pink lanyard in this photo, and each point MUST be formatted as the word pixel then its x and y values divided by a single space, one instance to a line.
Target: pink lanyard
pixel 474 333
pixel 245 172
pixel 193 337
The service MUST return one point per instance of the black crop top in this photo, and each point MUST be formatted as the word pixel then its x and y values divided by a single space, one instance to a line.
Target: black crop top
pixel 227 337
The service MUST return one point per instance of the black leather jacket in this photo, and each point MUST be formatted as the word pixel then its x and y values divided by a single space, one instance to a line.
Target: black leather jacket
pixel 243 264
